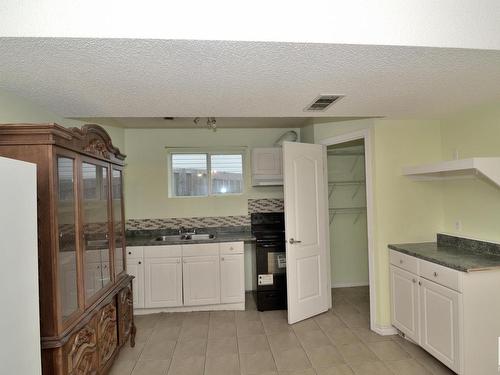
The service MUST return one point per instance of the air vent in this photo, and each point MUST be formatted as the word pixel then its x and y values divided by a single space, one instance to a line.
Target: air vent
pixel 322 102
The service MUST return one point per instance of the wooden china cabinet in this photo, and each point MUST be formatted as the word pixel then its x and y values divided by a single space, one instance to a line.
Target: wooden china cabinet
pixel 86 311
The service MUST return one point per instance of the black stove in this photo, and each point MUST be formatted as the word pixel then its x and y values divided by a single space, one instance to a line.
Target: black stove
pixel 269 231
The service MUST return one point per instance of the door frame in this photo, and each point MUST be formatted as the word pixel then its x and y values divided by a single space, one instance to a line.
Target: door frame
pixel 366 135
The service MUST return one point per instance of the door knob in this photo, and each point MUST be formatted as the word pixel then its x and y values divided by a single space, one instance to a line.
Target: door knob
pixel 292 241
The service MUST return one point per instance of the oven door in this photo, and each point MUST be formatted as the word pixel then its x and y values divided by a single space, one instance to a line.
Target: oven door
pixel 271 266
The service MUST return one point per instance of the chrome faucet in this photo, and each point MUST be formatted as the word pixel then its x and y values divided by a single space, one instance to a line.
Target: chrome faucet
pixel 184 231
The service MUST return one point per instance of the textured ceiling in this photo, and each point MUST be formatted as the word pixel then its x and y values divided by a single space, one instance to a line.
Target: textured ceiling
pixel 156 78
pixel 222 122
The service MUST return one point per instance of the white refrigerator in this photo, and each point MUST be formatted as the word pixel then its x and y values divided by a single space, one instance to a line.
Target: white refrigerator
pixel 19 316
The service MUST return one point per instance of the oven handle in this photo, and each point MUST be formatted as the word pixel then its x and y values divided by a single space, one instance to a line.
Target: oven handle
pixel 270 245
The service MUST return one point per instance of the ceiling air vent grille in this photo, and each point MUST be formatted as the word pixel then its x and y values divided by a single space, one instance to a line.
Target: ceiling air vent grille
pixel 322 102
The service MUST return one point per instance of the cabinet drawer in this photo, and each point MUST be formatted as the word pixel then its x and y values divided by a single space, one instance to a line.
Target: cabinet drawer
pixel 227 248
pixel 404 261
pixel 203 249
pixel 164 251
pixel 441 275
pixel 134 252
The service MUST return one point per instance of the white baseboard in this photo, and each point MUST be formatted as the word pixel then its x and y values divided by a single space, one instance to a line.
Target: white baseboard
pixel 225 306
pixel 349 285
pixel 384 330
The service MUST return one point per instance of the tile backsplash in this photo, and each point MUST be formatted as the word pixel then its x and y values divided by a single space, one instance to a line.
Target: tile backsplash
pixel 254 205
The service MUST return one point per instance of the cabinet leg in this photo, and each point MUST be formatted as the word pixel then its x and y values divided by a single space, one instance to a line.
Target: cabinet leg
pixel 132 335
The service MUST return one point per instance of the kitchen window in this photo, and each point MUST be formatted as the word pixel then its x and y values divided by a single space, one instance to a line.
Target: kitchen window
pixel 200 174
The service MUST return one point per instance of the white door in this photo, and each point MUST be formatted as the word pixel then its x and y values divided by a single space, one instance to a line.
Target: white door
pixel 439 323
pixel 163 282
pixel 201 275
pixel 135 268
pixel 404 302
pixel 232 279
pixel 306 227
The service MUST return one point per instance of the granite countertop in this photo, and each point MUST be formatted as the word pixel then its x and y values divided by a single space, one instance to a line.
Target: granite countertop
pixel 148 239
pixel 454 252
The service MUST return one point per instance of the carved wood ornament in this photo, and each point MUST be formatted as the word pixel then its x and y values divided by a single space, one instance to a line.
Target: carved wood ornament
pixel 81 358
pixel 108 338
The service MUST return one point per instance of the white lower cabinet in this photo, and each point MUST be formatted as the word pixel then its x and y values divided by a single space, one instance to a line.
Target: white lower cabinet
pixel 136 268
pixel 439 322
pixel 405 302
pixel 163 282
pixel 201 280
pixel 187 275
pixel 453 315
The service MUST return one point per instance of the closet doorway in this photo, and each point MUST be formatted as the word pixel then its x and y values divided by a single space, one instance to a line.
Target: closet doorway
pixel 350 207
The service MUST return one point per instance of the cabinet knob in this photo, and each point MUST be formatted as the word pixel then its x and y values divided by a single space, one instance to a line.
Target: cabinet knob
pixel 231 248
pixel 435 274
pixel 129 253
pixel 140 262
pixel 414 281
pixel 401 261
pixel 222 259
pixel 419 283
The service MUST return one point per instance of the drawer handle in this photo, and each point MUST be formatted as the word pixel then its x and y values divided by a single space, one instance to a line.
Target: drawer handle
pixel 401 261
pixel 419 283
pixel 435 274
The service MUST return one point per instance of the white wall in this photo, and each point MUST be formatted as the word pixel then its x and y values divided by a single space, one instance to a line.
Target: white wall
pixel 444 23
pixel 19 318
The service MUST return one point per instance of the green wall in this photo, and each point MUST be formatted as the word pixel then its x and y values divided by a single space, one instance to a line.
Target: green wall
pixel 146 181
pixel 405 211
pixel 14 109
pixel 475 203
pixel 348 231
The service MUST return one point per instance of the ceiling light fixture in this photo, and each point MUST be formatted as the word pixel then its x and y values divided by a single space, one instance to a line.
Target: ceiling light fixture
pixel 211 122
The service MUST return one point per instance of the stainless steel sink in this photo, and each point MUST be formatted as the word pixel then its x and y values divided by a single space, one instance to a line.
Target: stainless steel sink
pixel 185 237
pixel 175 237
pixel 204 236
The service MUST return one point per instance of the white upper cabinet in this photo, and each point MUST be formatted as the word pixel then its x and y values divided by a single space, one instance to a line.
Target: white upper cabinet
pixel 267 166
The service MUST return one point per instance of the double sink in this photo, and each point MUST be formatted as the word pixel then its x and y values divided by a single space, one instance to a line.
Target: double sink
pixel 186 237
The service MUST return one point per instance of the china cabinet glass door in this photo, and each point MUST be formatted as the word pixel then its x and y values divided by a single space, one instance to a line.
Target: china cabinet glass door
pixel 66 227
pixel 95 203
pixel 118 220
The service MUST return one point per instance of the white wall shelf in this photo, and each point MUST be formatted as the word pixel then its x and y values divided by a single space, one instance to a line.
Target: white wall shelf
pixel 487 167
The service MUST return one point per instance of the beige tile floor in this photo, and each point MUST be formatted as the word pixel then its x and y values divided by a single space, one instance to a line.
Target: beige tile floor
pixel 337 342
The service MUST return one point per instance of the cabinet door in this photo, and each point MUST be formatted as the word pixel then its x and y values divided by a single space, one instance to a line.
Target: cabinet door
pixel 125 314
pixel 404 302
pixel 440 314
pixel 80 353
pixel 232 279
pixel 95 207
pixel 66 229
pixel 107 333
pixel 118 220
pixel 201 275
pixel 267 161
pixel 163 282
pixel 135 268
